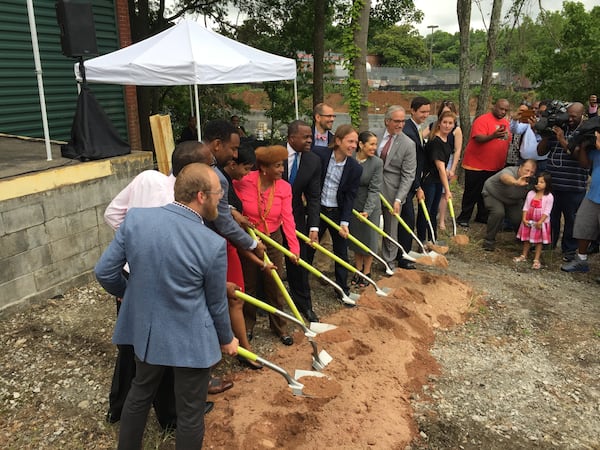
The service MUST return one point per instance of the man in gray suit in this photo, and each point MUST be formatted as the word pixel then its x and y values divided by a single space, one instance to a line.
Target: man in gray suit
pixel 399 167
pixel 175 318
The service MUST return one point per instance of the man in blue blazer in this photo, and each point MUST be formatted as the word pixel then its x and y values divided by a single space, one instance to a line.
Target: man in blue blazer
pixel 174 310
pixel 340 178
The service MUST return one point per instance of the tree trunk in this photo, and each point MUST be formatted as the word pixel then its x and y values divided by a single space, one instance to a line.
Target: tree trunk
pixel 463 11
pixel 361 31
pixel 490 59
pixel 319 51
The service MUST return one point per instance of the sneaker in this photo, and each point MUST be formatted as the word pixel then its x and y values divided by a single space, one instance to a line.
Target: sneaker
pixel 568 257
pixel 577 265
pixel 463 224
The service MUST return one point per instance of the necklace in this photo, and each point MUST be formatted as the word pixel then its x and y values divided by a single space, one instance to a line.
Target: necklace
pixel 264 209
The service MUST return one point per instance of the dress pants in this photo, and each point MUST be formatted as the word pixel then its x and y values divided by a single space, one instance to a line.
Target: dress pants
pixel 191 389
pixel 297 278
pixel 566 204
pixel 340 246
pixel 257 281
pixel 474 181
pixel 408 215
pixel 164 401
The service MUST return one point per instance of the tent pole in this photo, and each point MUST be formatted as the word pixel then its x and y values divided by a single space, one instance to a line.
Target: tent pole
pixel 191 94
pixel 197 113
pixel 296 97
pixel 40 80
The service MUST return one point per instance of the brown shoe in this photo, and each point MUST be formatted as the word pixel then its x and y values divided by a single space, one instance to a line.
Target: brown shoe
pixel 216 385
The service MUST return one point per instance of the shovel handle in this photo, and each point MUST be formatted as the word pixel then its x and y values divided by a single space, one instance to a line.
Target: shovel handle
pixel 424 209
pixel 279 283
pixel 351 238
pixel 326 252
pixel 287 253
pixel 402 222
pixel 451 208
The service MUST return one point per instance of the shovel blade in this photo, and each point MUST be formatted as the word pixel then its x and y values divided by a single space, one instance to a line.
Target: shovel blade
pixel 307 373
pixel 322 361
pixel 319 327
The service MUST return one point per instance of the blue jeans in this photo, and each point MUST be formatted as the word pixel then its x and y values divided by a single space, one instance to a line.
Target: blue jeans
pixel 433 194
pixel 566 204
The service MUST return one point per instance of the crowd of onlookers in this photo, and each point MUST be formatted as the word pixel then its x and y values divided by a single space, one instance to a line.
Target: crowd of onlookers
pixel 184 244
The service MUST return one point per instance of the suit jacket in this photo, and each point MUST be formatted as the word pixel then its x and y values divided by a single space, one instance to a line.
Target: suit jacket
pixel 225 224
pixel 346 193
pixel 411 130
pixel 399 169
pixel 174 310
pixel 307 182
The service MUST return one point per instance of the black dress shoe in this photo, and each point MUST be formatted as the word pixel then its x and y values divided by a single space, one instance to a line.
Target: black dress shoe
pixel 112 418
pixel 286 340
pixel 406 265
pixel 310 315
pixel 463 224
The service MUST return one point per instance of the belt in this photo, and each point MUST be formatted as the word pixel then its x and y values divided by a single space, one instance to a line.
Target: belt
pixel 329 208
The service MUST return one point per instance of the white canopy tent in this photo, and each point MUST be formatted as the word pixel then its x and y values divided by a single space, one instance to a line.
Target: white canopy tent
pixel 189 54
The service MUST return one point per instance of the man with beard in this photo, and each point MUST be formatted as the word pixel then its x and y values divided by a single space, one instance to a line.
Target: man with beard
pixel 173 319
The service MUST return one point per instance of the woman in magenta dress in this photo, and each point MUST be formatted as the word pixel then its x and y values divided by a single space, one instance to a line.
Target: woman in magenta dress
pixel 535 223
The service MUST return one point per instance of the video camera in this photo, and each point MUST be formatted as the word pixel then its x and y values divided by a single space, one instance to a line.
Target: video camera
pixel 555 114
pixel 585 135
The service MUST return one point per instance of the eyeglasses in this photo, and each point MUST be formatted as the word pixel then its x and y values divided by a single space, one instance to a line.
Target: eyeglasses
pixel 447 103
pixel 220 192
pixel 398 120
pixel 331 116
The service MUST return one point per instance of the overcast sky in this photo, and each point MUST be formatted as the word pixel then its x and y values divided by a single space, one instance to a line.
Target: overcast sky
pixel 443 13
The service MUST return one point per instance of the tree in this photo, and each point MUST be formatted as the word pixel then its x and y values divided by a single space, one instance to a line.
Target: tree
pixel 463 12
pixel 400 46
pixel 490 58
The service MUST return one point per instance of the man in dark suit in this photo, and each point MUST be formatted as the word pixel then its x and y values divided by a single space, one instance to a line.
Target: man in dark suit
pixel 303 172
pixel 413 128
pixel 172 318
pixel 323 116
pixel 399 167
pixel 340 177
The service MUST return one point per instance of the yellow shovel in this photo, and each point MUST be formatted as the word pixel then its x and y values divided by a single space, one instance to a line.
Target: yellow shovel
pixel 359 244
pixel 345 298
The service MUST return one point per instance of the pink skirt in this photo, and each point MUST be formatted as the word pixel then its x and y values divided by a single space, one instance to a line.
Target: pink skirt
pixel 533 234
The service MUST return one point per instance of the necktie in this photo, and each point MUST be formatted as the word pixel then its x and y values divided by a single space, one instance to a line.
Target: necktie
pixel 386 147
pixel 294 169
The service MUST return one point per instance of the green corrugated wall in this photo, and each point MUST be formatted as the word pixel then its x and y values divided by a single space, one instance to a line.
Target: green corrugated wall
pixel 20 112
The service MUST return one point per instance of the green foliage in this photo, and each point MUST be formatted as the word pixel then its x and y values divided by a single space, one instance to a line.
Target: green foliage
pixel 400 46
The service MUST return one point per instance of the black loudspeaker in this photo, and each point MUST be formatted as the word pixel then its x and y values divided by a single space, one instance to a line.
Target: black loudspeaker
pixel 77 30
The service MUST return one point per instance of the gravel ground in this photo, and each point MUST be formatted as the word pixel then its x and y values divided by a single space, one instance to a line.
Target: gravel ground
pixel 522 372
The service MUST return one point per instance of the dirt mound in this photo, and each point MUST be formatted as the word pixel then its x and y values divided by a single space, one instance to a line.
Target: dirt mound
pixel 380 355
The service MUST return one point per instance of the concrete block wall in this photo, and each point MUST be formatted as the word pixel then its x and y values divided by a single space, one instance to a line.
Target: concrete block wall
pixel 52 230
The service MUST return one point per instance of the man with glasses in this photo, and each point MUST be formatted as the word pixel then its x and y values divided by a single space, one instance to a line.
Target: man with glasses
pixel 399 167
pixel 323 124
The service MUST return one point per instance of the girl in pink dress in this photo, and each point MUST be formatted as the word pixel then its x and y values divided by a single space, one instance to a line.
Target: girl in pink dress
pixel 535 223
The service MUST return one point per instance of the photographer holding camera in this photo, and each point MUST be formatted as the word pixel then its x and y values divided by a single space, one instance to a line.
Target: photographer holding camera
pixel 586 228
pixel 569 178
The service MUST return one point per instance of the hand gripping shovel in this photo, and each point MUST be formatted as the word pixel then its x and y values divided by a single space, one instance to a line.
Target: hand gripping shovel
pixel 346 299
pixel 390 208
pixel 381 292
pixel 359 244
pixel 320 360
pixel 385 235
pixel 293 384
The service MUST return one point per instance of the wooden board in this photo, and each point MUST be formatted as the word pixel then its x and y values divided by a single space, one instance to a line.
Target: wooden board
pixel 162 136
